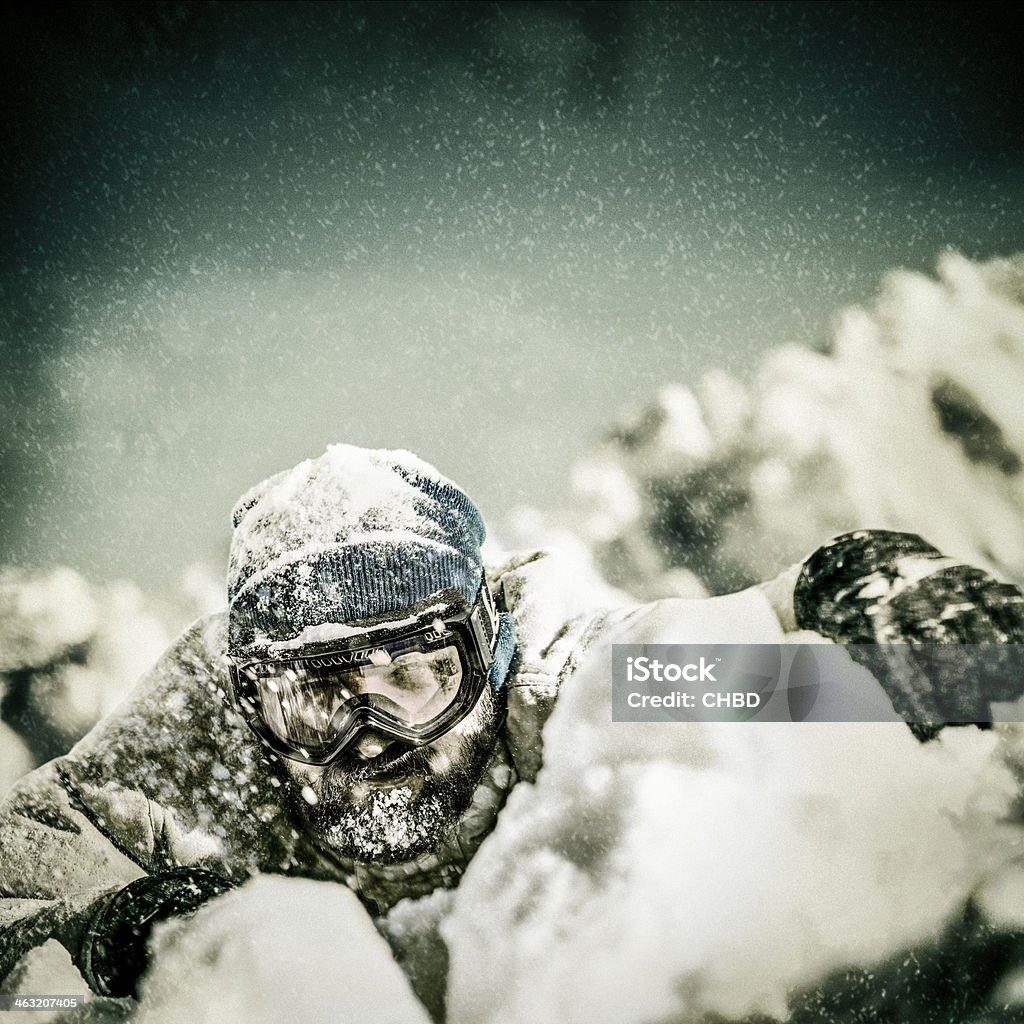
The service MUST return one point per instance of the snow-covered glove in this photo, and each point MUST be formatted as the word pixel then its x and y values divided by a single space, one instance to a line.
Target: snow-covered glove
pixel 113 955
pixel 878 587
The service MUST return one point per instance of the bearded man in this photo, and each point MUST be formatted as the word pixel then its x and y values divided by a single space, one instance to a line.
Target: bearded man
pixel 364 706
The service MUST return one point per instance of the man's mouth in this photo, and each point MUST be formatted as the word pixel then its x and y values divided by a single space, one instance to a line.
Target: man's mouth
pixel 386 769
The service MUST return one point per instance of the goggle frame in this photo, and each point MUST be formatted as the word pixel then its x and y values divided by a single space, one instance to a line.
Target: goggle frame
pixel 473 629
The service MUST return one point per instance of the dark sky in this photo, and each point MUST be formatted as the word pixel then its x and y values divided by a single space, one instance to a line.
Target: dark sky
pixel 236 232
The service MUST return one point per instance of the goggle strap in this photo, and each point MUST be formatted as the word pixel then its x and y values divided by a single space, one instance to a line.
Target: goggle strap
pixel 484 620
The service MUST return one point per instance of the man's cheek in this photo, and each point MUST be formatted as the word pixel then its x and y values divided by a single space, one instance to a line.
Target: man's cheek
pixel 456 754
pixel 440 762
pixel 303 775
pixel 331 790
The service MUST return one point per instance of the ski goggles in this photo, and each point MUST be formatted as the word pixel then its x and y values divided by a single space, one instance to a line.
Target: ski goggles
pixel 413 685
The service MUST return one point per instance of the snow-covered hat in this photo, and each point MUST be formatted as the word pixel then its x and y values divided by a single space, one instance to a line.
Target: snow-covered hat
pixel 352 534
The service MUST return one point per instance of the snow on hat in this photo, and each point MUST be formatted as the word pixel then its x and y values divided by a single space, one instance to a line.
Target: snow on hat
pixel 352 534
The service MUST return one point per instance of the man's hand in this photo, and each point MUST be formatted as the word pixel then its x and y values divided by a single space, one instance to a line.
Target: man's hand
pixel 112 955
pixel 877 587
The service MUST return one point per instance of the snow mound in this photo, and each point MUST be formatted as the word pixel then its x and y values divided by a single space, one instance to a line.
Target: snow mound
pixel 278 949
pixel 912 421
pixel 347 495
pixel 43 615
pixel 70 650
pixel 665 871
pixel 15 759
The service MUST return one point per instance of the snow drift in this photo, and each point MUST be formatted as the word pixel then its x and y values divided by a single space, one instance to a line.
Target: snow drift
pixel 70 650
pixel 912 421
pixel 278 949
pixel 661 872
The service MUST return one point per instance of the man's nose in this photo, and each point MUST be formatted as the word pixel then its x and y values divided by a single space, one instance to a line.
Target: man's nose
pixel 369 743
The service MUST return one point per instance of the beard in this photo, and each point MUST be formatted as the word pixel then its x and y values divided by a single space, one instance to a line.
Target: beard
pixel 407 800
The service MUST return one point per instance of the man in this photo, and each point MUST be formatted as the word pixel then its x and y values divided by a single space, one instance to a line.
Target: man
pixel 363 708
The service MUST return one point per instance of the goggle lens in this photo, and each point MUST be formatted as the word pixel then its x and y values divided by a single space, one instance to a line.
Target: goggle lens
pixel 299 704
pixel 414 686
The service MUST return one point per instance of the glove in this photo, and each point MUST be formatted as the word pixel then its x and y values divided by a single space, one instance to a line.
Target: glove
pixel 112 955
pixel 877 587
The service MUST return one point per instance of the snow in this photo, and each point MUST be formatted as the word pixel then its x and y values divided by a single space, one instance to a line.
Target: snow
pixel 277 949
pixel 15 758
pixel 73 650
pixel 202 590
pixel 328 632
pixel 654 871
pixel 346 496
pixel 49 970
pixel 659 871
pixel 912 421
pixel 43 615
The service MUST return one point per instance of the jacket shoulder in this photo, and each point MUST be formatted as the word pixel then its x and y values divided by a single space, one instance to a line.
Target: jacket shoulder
pixel 176 757
pixel 558 605
pixel 190 677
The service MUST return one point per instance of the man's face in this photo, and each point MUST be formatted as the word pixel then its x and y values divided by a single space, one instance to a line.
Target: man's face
pixel 384 801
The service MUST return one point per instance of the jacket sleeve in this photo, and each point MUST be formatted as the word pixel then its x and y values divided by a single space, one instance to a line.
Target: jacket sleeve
pixel 118 807
pixel 56 862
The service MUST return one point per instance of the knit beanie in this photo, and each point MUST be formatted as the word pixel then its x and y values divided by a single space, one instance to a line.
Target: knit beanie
pixel 352 534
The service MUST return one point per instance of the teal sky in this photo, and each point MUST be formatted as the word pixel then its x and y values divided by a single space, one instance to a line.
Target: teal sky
pixel 240 232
